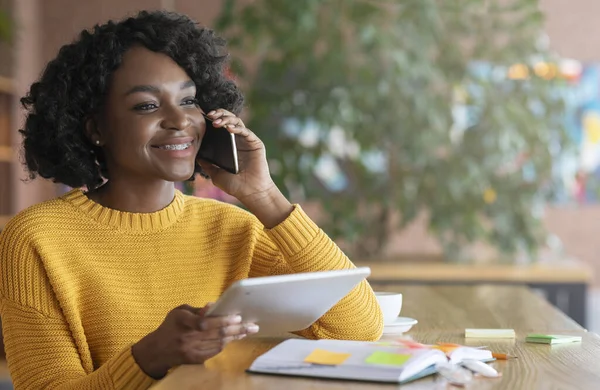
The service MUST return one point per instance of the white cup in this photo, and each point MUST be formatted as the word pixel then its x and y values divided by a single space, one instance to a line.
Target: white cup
pixel 391 305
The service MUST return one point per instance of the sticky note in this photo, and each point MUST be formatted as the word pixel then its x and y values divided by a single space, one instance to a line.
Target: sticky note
pixel 551 338
pixel 389 358
pixel 321 356
pixel 490 333
pixel 445 348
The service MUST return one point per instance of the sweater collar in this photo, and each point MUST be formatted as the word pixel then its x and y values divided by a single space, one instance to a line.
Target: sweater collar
pixel 122 220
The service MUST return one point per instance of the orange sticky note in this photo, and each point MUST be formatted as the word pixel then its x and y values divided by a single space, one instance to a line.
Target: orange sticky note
pixel 321 356
pixel 445 348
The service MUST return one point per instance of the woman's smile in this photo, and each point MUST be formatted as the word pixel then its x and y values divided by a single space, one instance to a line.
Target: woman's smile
pixel 177 147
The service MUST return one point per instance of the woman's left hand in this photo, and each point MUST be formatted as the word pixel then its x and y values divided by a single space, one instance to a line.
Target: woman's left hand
pixel 253 180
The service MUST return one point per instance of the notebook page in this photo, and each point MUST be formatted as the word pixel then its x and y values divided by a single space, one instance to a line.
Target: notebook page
pixel 288 358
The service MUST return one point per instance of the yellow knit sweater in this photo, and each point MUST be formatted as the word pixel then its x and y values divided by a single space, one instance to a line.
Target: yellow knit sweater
pixel 81 283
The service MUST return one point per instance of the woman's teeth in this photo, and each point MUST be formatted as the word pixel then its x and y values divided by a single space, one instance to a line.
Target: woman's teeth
pixel 176 147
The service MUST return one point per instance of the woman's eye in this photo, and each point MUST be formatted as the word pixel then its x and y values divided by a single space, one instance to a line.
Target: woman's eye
pixel 190 102
pixel 145 107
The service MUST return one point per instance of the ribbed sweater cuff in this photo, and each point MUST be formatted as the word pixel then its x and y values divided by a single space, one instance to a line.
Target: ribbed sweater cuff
pixel 126 374
pixel 294 233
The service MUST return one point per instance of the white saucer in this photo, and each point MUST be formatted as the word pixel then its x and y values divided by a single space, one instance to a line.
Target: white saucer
pixel 400 325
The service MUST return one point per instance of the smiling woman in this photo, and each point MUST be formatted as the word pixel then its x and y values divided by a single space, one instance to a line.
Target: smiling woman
pixel 150 124
pixel 107 288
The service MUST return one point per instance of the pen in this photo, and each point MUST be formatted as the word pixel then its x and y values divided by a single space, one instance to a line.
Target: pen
pixel 502 356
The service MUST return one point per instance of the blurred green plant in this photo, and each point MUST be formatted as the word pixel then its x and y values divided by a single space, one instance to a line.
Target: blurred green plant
pixel 359 105
pixel 5 26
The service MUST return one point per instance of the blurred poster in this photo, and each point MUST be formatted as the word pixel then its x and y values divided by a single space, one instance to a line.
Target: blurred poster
pixel 581 172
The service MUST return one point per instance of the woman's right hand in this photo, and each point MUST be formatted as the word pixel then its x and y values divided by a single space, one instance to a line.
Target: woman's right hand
pixel 187 336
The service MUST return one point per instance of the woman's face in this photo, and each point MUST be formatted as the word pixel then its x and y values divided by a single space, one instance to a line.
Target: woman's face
pixel 151 127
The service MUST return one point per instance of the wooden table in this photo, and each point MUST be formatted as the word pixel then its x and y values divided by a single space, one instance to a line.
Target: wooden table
pixel 563 283
pixel 443 313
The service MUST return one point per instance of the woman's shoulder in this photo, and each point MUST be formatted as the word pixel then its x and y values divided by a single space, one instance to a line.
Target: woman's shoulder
pixel 38 218
pixel 219 210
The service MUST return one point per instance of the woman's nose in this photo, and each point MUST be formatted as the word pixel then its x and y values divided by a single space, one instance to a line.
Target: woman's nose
pixel 176 119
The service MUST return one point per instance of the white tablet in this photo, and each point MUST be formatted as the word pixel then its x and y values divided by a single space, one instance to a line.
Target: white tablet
pixel 287 303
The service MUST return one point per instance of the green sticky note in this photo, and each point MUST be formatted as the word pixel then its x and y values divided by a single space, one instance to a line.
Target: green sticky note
pixel 389 358
pixel 551 338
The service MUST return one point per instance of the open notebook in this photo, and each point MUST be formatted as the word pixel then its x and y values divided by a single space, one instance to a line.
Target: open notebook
pixel 355 360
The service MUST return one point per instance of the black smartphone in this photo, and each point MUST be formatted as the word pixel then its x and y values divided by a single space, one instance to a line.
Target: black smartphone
pixel 218 147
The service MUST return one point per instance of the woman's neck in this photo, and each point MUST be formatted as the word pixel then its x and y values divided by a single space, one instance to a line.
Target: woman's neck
pixel 134 197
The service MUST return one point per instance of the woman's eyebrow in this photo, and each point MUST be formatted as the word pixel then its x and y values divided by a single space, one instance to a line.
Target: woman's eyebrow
pixel 154 89
pixel 143 88
pixel 188 84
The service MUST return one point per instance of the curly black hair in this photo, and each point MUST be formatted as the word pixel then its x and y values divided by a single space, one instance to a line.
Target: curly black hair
pixel 74 85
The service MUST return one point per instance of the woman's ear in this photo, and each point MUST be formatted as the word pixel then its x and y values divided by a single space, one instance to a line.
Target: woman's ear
pixel 92 132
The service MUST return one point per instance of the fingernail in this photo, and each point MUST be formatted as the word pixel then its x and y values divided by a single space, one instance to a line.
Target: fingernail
pixel 230 126
pixel 236 319
pixel 213 112
pixel 252 328
pixel 217 121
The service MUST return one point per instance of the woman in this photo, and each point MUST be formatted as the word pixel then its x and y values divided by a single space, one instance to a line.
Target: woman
pixel 108 288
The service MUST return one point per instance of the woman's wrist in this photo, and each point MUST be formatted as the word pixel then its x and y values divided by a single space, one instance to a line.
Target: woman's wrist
pixel 145 355
pixel 270 206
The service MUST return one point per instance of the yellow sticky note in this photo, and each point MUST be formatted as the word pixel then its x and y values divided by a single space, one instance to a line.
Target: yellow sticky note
pixel 389 358
pixel 321 356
